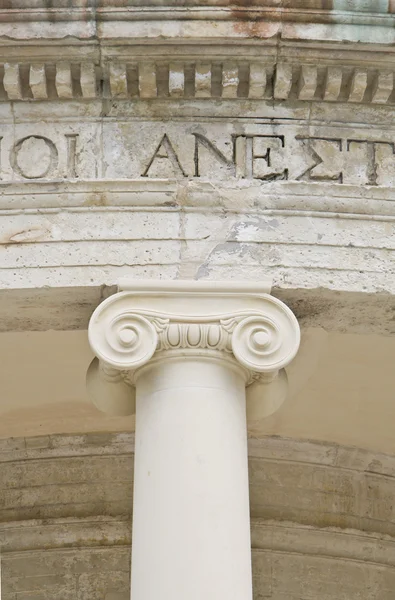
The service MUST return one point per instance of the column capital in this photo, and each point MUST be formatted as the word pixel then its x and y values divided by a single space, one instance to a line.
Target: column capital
pixel 238 322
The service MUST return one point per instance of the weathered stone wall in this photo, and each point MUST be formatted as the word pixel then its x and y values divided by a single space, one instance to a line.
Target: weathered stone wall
pixel 289 563
pixel 68 574
pixel 196 140
pixel 323 522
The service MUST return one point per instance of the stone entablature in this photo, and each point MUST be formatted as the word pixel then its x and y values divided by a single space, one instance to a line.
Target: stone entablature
pixel 231 192
pixel 260 135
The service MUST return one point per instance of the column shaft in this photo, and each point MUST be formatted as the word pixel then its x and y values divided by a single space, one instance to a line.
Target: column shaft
pixel 191 527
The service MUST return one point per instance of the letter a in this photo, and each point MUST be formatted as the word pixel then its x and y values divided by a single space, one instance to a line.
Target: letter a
pixel 166 150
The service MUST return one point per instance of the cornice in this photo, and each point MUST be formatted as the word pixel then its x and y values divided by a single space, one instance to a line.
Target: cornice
pixel 274 50
pixel 103 21
pixel 378 13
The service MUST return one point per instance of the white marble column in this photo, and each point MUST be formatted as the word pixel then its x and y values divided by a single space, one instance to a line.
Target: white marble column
pixel 182 354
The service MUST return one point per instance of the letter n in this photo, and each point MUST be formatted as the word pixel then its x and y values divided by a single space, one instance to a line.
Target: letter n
pixel 200 139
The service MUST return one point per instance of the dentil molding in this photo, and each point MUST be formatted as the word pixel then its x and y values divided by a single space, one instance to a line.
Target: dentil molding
pixel 239 323
pixel 130 50
pixel 190 79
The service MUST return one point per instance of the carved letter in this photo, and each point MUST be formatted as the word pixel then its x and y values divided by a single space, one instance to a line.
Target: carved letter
pixel 371 149
pixel 34 157
pixel 71 154
pixel 200 139
pixel 328 157
pixel 166 151
pixel 259 157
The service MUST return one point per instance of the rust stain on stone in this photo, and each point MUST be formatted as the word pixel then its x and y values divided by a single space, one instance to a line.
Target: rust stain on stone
pixel 267 24
pixel 97 199
pixel 310 5
pixel 250 24
pixel 28 235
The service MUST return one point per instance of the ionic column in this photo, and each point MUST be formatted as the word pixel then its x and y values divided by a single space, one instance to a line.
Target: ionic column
pixel 182 355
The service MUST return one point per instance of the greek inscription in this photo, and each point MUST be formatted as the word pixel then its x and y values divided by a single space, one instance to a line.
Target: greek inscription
pixel 273 157
pixel 263 152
